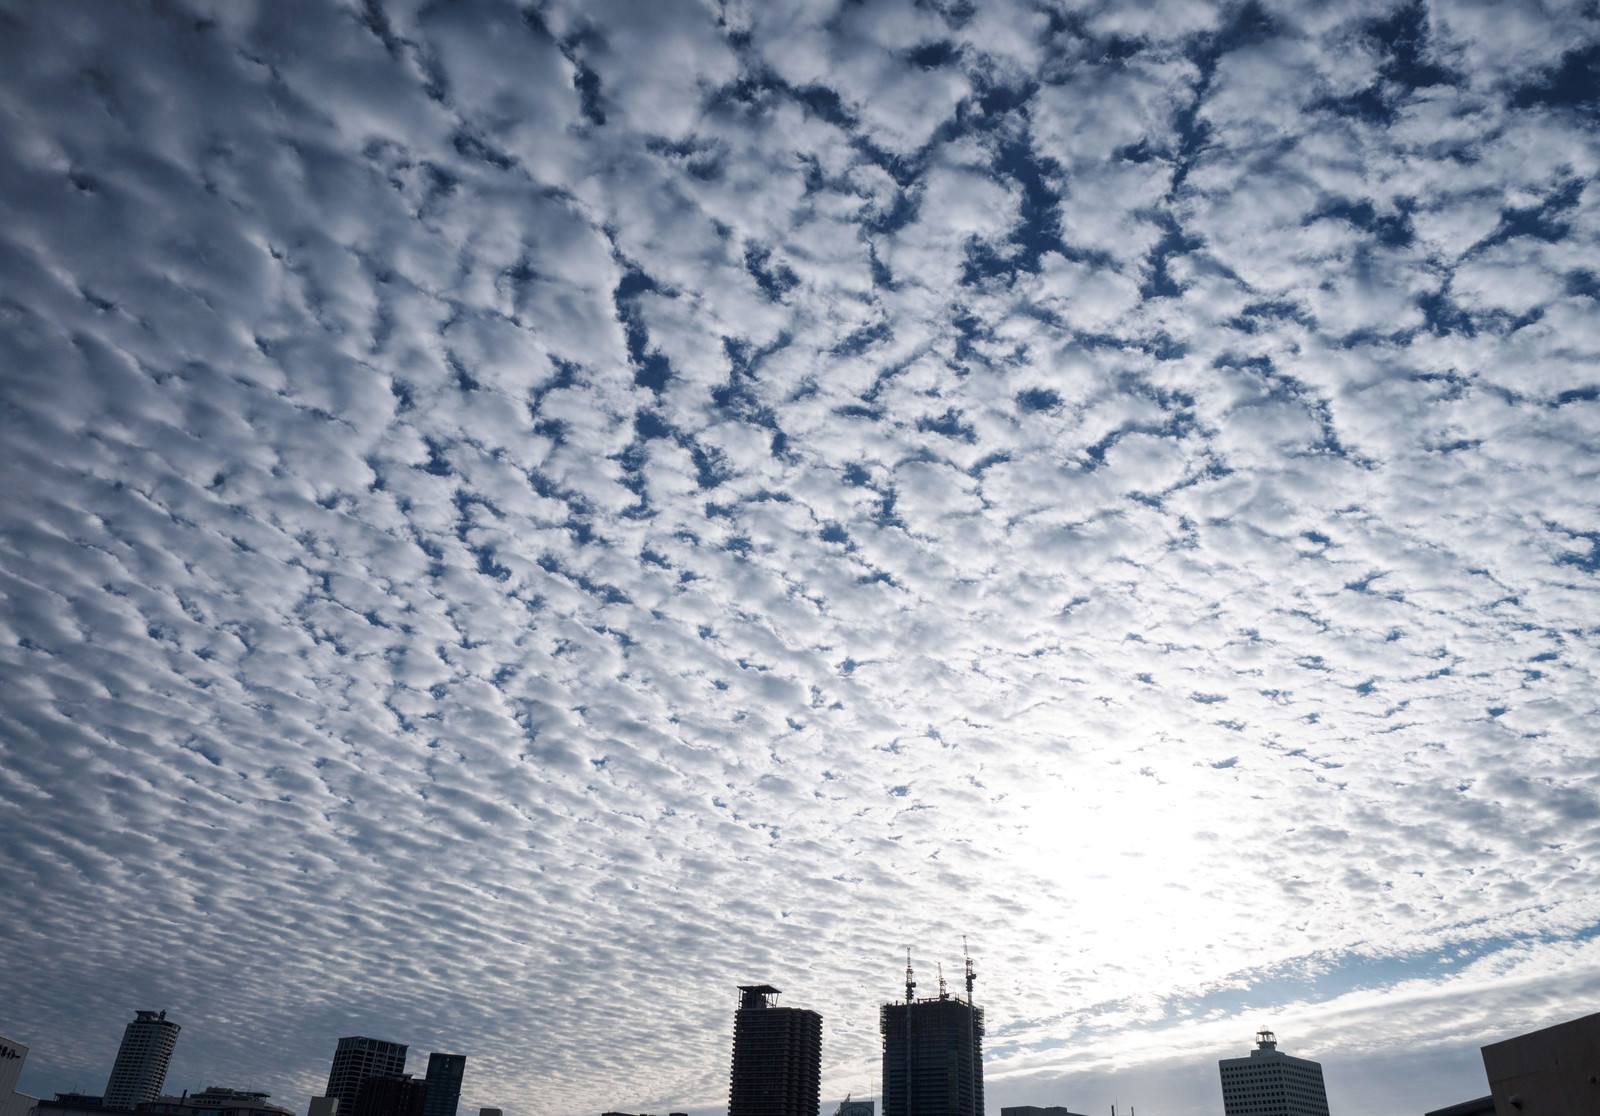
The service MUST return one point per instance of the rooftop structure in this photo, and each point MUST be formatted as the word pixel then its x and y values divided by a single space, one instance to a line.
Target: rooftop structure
pixel 1272 1083
pixel 214 1100
pixel 777 1057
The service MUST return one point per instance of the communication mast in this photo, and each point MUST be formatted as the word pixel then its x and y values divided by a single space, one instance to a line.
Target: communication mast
pixel 972 973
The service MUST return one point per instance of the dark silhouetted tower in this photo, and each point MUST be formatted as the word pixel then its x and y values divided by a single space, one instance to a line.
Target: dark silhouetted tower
pixel 357 1059
pixel 777 1057
pixel 445 1072
pixel 1271 1083
pixel 391 1095
pixel 141 1066
pixel 932 1053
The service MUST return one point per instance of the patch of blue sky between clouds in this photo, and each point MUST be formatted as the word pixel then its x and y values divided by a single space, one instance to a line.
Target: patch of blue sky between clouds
pixel 565 499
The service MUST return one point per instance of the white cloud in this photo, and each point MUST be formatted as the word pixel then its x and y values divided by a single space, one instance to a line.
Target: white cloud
pixel 1142 528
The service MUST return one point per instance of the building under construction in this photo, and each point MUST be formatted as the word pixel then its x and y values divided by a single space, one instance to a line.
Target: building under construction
pixel 777 1057
pixel 932 1053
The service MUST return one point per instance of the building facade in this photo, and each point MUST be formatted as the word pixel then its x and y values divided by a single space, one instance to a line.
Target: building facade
pixel 1271 1083
pixel 777 1057
pixel 932 1054
pixel 1548 1072
pixel 13 1103
pixel 357 1058
pixel 445 1072
pixel 141 1066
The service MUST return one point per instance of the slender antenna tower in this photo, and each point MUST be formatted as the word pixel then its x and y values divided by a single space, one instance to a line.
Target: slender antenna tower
pixel 944 993
pixel 972 973
pixel 972 1028
pixel 911 988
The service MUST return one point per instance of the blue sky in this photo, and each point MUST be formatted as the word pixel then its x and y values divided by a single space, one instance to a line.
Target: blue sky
pixel 523 517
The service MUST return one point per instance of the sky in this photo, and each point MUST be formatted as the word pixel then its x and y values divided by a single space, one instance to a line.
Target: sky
pixel 521 518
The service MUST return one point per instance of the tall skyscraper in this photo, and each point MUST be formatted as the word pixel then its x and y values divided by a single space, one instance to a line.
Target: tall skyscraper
pixel 445 1072
pixel 777 1057
pixel 932 1053
pixel 357 1059
pixel 141 1066
pixel 1271 1083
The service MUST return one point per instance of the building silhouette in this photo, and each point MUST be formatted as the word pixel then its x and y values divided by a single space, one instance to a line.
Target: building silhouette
pixel 391 1095
pixel 13 1103
pixel 1552 1070
pixel 777 1057
pixel 932 1053
pixel 445 1072
pixel 1271 1083
pixel 214 1100
pixel 357 1058
pixel 141 1066
pixel 1035 1110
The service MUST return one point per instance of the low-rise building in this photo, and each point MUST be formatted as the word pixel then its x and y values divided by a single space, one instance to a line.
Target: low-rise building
pixel 214 1100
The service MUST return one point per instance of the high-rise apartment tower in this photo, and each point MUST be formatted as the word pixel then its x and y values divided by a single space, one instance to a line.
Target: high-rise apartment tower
pixel 1271 1083
pixel 356 1059
pixel 141 1066
pixel 777 1057
pixel 445 1072
pixel 932 1053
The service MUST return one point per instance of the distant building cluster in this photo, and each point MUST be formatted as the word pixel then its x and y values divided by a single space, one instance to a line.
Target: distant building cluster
pixel 932 1066
pixel 932 1055
pixel 367 1078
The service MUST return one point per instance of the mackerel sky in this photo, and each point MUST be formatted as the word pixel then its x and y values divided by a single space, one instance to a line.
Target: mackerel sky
pixel 518 519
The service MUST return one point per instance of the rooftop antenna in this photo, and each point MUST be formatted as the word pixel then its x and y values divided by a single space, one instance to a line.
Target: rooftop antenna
pixel 911 987
pixel 972 973
pixel 943 992
pixel 972 1028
